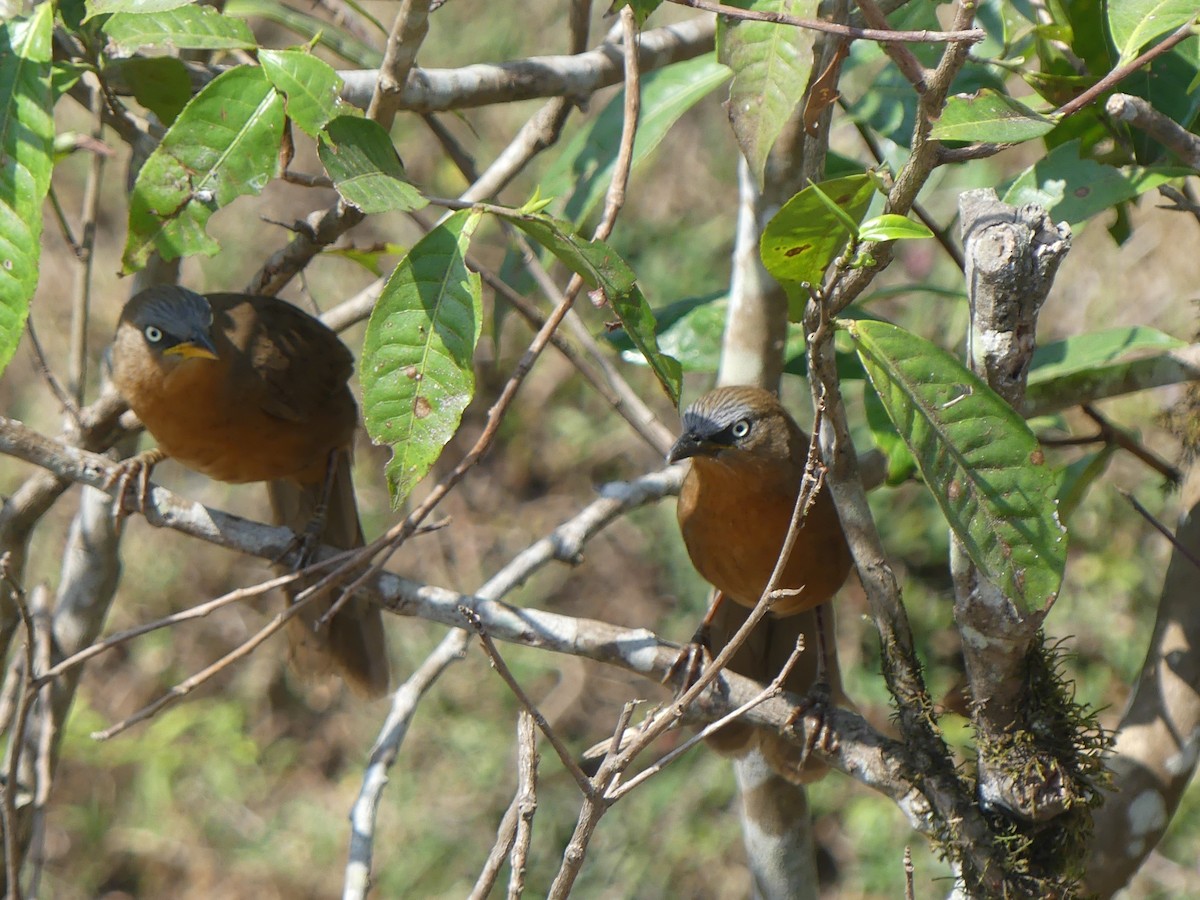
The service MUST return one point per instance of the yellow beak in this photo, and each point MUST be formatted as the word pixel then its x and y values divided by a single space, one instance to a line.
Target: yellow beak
pixel 190 350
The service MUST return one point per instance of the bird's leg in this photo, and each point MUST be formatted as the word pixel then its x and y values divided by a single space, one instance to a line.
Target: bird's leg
pixel 309 539
pixel 816 702
pixel 697 653
pixel 134 471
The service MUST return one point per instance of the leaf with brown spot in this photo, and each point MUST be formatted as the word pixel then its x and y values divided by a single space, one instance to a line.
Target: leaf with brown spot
pixel 978 458
pixel 417 368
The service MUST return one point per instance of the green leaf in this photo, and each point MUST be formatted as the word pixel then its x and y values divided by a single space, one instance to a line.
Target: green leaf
pixel 1099 348
pixel 26 159
pixel 583 170
pixel 1097 365
pixel 224 144
pixel 605 273
pixel 805 236
pixel 1073 189
pixel 641 8
pixel 103 7
pixel 366 170
pixel 771 66
pixel 159 83
pixel 183 28
pixel 417 367
pixel 310 85
pixel 891 227
pixel 1079 476
pixel 978 457
pixel 1135 23
pixel 990 116
pixel 308 27
pixel 900 462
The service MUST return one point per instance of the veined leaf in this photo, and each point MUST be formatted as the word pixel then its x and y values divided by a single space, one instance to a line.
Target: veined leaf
pixel 310 85
pixel 990 116
pixel 771 66
pixel 603 270
pixel 977 455
pixel 1099 348
pixel 1135 23
pixel 417 367
pixel 101 7
pixel 361 159
pixel 583 170
pixel 26 158
pixel 1073 189
pixel 805 236
pixel 1100 365
pixel 188 27
pixel 224 144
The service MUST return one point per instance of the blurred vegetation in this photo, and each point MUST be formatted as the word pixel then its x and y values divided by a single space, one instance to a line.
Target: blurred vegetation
pixel 243 791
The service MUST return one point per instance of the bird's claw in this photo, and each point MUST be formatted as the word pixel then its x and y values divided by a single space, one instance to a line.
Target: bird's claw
pixel 812 711
pixel 133 472
pixel 693 659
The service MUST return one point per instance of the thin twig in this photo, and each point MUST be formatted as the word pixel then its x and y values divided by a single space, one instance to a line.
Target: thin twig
pixel 527 761
pixel 387 745
pixel 1120 438
pixel 1162 529
pixel 906 61
pixel 968 36
pixel 506 833
pixel 16 738
pixel 188 685
pixel 1119 74
pixel 56 387
pixel 564 753
pixel 187 615
pixel 771 690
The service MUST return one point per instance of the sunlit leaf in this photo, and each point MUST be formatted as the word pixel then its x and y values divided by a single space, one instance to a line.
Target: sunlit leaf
pixel 224 144
pixel 771 66
pixel 978 457
pixel 1135 23
pixel 189 27
pixel 310 85
pixel 990 116
pixel 361 159
pixel 891 227
pixel 605 273
pixel 26 159
pixel 417 368
pixel 1073 189
pixel 805 236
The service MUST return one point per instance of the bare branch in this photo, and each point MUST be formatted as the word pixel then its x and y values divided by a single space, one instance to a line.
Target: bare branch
pixel 387 746
pixel 966 36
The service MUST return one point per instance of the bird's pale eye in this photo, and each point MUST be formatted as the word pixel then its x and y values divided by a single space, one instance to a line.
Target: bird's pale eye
pixel 153 333
pixel 740 428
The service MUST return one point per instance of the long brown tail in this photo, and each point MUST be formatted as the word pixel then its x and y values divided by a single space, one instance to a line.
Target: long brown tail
pixel 352 643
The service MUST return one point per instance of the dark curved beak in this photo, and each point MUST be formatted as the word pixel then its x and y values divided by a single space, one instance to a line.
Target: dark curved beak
pixel 689 444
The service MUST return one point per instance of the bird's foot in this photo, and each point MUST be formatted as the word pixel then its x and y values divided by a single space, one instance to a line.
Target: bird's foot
pixel 304 544
pixel 133 472
pixel 812 712
pixel 693 659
